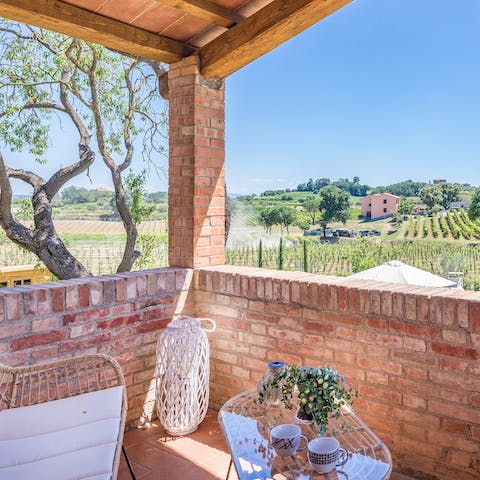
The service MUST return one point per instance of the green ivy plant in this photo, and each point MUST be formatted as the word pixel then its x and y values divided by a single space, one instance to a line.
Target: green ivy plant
pixel 322 392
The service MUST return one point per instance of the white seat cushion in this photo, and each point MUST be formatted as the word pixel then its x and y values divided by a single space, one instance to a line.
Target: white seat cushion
pixel 71 438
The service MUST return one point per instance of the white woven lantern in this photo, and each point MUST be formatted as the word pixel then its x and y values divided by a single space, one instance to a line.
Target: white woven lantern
pixel 183 374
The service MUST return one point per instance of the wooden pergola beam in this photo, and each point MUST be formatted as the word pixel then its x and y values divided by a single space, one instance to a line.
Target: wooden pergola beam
pixel 79 23
pixel 260 33
pixel 207 10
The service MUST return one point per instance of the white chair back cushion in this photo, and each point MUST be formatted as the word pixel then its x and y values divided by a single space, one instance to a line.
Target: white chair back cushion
pixel 67 439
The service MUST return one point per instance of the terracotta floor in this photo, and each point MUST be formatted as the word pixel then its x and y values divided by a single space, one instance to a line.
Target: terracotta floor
pixel 202 455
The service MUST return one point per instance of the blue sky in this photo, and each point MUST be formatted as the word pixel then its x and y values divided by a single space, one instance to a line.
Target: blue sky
pixel 386 90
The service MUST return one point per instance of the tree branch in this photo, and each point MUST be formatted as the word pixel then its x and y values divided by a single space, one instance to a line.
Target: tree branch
pixel 60 178
pixel 31 178
pixel 128 120
pixel 77 120
pixel 14 230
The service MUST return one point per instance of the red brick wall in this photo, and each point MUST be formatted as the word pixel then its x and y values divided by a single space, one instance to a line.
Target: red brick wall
pixel 196 167
pixel 121 315
pixel 413 353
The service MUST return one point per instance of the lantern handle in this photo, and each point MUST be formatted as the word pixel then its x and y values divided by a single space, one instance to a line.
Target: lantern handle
pixel 213 325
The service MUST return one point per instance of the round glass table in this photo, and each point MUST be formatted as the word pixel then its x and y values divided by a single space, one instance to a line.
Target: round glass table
pixel 246 426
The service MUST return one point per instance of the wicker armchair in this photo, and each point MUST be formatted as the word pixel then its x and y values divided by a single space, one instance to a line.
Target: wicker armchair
pixel 64 402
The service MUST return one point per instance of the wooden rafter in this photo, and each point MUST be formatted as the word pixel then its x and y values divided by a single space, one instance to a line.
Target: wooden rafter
pixel 262 32
pixel 77 22
pixel 207 10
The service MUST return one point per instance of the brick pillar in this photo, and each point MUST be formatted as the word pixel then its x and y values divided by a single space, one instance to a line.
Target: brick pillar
pixel 196 196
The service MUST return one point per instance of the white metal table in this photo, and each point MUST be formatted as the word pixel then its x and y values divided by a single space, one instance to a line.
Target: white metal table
pixel 246 426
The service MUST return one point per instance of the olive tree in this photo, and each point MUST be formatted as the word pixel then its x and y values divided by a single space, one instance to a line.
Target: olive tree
pixel 111 100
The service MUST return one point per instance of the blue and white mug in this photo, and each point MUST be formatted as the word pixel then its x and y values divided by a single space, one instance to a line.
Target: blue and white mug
pixel 286 438
pixel 325 454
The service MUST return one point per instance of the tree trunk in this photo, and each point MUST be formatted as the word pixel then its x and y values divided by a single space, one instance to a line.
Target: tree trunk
pixel 44 241
pixel 50 248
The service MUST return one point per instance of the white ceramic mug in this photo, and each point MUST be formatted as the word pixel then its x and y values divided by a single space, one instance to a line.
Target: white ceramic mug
pixel 286 439
pixel 324 454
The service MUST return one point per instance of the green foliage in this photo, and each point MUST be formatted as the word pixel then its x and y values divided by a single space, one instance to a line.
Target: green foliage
pixel 431 195
pixel 397 218
pixel 313 186
pixel 443 225
pixel 456 232
pixel 426 230
pixel 33 71
pixel 334 205
pixel 283 216
pixel 452 263
pixel 474 209
pixel 310 206
pixel 260 254
pixel 416 228
pixel 305 256
pixel 406 206
pixel 135 185
pixel 408 188
pixel 352 255
pixel 322 392
pixel 280 254
pixel 409 227
pixel 435 227
pixel 146 242
pixel 353 188
pixel 74 194
pixel 24 209
pixel 303 222
pixel 450 192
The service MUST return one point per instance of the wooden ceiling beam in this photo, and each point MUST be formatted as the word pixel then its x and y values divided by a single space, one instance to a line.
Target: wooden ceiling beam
pixel 92 27
pixel 260 33
pixel 207 10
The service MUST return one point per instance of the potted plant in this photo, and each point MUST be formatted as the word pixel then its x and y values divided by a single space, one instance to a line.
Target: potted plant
pixel 318 392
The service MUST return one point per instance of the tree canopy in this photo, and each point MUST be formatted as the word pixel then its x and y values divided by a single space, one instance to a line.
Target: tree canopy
pixel 431 195
pixel 354 187
pixel 110 100
pixel 334 205
pixel 408 188
pixel 474 209
pixel 443 194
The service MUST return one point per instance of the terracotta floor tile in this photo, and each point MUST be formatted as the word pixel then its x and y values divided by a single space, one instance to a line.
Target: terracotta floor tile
pixel 189 449
pixel 159 460
pixel 139 470
pixel 139 435
pixel 202 455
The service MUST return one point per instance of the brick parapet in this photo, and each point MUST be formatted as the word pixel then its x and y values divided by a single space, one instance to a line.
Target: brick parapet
pixel 121 315
pixel 413 352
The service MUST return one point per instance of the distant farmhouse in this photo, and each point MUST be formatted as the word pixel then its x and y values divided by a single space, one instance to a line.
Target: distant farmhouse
pixel 379 205
pixel 438 181
pixel 459 205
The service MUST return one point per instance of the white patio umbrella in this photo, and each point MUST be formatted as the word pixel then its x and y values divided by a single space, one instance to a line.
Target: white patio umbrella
pixel 399 272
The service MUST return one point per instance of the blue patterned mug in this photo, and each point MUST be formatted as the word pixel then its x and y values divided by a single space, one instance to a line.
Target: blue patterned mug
pixel 286 438
pixel 325 454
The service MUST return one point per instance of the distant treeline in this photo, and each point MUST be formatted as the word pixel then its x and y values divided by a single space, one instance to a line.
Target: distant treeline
pixel 75 195
pixel 408 188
